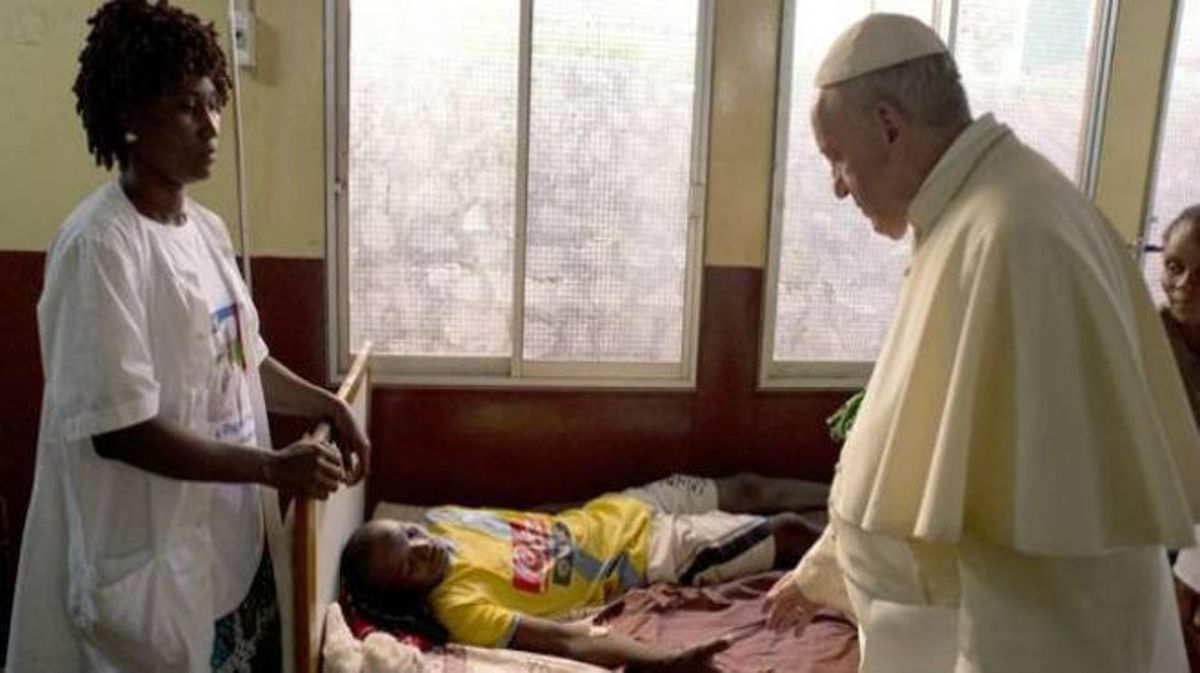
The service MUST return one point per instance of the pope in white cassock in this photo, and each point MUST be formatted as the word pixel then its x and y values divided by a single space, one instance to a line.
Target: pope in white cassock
pixel 1025 450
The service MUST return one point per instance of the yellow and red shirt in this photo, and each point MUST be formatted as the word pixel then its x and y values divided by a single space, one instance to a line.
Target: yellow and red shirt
pixel 509 563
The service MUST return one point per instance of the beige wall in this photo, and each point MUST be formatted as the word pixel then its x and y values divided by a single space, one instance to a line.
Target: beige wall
pixel 46 169
pixel 745 54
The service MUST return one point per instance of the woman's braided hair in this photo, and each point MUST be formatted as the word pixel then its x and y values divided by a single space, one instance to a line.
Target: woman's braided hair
pixel 137 51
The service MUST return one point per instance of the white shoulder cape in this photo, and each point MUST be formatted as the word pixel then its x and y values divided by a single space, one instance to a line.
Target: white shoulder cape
pixel 1025 392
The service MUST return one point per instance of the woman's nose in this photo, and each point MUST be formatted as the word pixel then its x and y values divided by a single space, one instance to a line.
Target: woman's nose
pixel 211 123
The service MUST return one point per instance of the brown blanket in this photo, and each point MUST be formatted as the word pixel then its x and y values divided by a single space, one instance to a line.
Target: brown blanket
pixel 671 614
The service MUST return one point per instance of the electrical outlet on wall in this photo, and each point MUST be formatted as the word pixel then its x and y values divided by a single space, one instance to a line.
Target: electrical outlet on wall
pixel 243 20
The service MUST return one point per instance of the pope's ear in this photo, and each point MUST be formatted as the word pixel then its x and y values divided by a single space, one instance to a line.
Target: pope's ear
pixel 890 120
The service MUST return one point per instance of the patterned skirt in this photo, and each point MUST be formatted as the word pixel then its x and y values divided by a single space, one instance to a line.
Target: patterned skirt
pixel 247 640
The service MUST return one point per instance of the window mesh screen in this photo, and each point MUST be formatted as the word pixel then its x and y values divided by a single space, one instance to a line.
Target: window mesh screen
pixel 432 156
pixel 612 94
pixel 1175 184
pixel 1026 60
pixel 837 279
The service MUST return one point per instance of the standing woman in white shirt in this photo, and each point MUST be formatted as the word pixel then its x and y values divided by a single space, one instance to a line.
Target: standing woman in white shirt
pixel 144 544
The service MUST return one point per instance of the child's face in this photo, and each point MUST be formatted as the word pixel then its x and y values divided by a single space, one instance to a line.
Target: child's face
pixel 408 558
pixel 1181 272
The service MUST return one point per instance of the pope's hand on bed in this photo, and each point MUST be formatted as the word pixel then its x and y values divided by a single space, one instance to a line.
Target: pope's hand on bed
pixel 309 467
pixel 786 605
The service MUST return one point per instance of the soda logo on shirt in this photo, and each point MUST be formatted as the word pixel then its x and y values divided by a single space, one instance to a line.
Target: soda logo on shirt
pixel 530 552
pixel 540 555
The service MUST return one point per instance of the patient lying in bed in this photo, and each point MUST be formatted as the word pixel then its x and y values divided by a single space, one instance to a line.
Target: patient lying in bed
pixel 500 578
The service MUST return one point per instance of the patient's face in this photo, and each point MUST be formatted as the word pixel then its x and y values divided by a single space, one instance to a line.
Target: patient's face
pixel 405 557
pixel 1181 271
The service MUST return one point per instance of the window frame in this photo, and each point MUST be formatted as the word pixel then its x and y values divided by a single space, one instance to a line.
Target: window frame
pixel 1143 248
pixel 512 370
pixel 850 375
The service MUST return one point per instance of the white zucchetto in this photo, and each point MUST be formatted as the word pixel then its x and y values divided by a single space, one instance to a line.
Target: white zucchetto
pixel 876 42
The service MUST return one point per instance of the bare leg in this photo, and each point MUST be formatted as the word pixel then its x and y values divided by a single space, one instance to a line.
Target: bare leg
pixel 793 536
pixel 747 493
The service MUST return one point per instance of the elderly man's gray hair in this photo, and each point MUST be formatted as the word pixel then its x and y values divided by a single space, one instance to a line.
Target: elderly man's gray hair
pixel 929 88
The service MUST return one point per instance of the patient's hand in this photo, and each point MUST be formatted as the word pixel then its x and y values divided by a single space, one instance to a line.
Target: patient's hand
pixel 694 659
pixel 598 645
pixel 786 606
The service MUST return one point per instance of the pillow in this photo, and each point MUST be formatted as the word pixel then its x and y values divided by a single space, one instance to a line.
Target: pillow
pixel 379 653
pixel 384 654
pixel 340 650
pixel 361 626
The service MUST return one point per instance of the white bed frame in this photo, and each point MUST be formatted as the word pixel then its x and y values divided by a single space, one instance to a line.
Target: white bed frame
pixel 319 530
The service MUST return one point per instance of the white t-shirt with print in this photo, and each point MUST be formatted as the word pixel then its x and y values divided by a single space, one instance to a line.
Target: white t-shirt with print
pixel 123 569
pixel 235 507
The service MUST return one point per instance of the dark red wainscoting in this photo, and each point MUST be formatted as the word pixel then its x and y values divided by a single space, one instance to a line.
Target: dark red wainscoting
pixel 20 404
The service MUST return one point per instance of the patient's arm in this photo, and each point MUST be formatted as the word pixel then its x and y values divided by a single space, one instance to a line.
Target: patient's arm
pixel 596 645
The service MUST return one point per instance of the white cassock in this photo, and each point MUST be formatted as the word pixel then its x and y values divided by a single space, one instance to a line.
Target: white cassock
pixel 1025 448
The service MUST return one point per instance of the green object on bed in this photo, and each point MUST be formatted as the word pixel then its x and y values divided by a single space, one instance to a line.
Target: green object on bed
pixel 843 419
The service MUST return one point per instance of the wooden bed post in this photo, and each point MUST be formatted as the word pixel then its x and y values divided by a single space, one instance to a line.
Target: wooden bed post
pixel 304 565
pixel 314 577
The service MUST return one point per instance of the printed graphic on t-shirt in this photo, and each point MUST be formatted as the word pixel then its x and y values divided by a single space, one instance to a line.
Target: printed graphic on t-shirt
pixel 227 332
pixel 229 398
pixel 540 554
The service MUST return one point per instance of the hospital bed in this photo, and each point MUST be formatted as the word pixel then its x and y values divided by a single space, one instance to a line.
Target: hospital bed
pixel 318 638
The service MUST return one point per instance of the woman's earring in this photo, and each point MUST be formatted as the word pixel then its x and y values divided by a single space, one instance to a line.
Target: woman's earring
pixel 130 137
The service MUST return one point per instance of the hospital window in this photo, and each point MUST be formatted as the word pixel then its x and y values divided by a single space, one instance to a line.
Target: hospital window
pixel 518 188
pixel 832 282
pixel 1174 184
